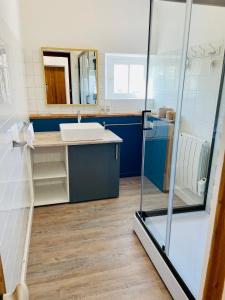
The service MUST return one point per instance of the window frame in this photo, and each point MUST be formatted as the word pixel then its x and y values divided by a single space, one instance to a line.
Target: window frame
pixel 117 58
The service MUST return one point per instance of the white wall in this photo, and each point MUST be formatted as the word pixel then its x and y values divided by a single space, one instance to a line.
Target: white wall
pixel 207 24
pixel 167 26
pixel 201 88
pixel 110 26
pixel 15 197
pixel 9 14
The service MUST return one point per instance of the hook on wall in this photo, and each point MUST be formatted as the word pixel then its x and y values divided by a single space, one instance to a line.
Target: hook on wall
pixel 205 50
pixel 194 52
pixel 214 50
pixel 202 51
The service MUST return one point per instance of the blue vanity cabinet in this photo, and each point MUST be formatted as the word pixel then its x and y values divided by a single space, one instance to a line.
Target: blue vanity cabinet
pixel 128 128
pixel 94 171
pixel 131 148
pixel 156 148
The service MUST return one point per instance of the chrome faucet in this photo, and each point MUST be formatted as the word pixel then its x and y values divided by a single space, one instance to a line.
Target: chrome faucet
pixel 78 117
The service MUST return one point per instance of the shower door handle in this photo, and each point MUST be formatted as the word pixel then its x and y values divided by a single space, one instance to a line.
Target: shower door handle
pixel 145 122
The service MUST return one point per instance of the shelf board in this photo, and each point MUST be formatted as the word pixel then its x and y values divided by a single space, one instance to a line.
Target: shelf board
pixel 50 194
pixel 48 170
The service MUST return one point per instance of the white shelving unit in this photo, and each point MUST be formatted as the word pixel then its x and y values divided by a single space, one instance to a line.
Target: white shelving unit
pixel 50 193
pixel 48 170
pixel 50 175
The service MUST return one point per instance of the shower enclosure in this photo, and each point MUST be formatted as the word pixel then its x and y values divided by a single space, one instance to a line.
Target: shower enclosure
pixel 185 78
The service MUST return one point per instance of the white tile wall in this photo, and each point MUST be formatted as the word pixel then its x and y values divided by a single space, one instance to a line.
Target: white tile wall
pixel 36 90
pixel 200 98
pixel 15 199
pixel 200 91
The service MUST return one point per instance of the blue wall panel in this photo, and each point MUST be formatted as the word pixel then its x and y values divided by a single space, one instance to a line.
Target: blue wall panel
pixel 42 125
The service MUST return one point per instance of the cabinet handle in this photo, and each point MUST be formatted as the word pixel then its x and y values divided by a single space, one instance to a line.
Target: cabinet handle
pixel 117 149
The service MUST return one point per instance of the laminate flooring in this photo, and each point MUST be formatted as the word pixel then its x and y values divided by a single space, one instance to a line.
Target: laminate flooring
pixel 89 251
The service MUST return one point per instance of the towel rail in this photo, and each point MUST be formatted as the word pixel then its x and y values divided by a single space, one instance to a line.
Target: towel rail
pixel 128 124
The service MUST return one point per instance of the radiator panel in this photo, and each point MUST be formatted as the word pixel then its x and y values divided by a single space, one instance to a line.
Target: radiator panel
pixel 192 163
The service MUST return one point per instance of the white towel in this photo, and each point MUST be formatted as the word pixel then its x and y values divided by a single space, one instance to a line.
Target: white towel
pixel 30 136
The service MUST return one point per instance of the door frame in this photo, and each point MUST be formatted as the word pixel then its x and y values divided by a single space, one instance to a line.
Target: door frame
pixel 66 55
pixel 2 280
pixel 215 276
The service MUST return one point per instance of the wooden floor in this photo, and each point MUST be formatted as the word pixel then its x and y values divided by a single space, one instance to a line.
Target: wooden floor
pixel 89 251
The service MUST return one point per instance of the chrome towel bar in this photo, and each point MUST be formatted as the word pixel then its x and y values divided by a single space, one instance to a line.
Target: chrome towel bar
pixel 129 124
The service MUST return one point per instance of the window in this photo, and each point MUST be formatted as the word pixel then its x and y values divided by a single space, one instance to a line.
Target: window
pixel 125 76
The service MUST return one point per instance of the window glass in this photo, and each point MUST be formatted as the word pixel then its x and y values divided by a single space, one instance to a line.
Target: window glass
pixel 125 76
pixel 121 79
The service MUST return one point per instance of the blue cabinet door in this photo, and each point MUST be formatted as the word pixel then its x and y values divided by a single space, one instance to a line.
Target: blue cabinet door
pixel 156 153
pixel 93 172
pixel 131 148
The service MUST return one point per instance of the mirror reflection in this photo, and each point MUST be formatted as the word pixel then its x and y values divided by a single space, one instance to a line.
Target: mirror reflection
pixel 70 76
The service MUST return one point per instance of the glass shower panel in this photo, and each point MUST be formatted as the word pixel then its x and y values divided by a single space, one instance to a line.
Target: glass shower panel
pixel 165 49
pixel 197 132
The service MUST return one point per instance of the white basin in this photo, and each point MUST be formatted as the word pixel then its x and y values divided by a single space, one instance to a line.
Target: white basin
pixel 81 131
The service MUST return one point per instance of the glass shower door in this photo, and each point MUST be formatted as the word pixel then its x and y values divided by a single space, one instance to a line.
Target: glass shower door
pixel 164 64
pixel 185 75
pixel 199 116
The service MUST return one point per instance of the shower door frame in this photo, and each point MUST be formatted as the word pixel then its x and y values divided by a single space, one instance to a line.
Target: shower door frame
pixel 178 285
pixel 181 290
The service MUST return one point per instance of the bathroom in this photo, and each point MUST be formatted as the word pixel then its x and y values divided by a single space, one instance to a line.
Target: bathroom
pixel 112 144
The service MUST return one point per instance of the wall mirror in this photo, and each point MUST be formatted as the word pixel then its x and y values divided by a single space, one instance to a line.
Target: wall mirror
pixel 71 76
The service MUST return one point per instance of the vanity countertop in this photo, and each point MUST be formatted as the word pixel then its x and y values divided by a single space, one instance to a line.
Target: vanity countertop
pixel 53 138
pixel 59 116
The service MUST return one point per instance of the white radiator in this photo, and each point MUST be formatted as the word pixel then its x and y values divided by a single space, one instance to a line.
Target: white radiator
pixel 192 163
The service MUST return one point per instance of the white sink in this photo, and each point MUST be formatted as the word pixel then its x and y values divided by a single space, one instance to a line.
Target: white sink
pixel 81 131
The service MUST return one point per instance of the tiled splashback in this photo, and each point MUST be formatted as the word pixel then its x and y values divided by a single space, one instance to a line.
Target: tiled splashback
pixel 36 90
pixel 15 197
